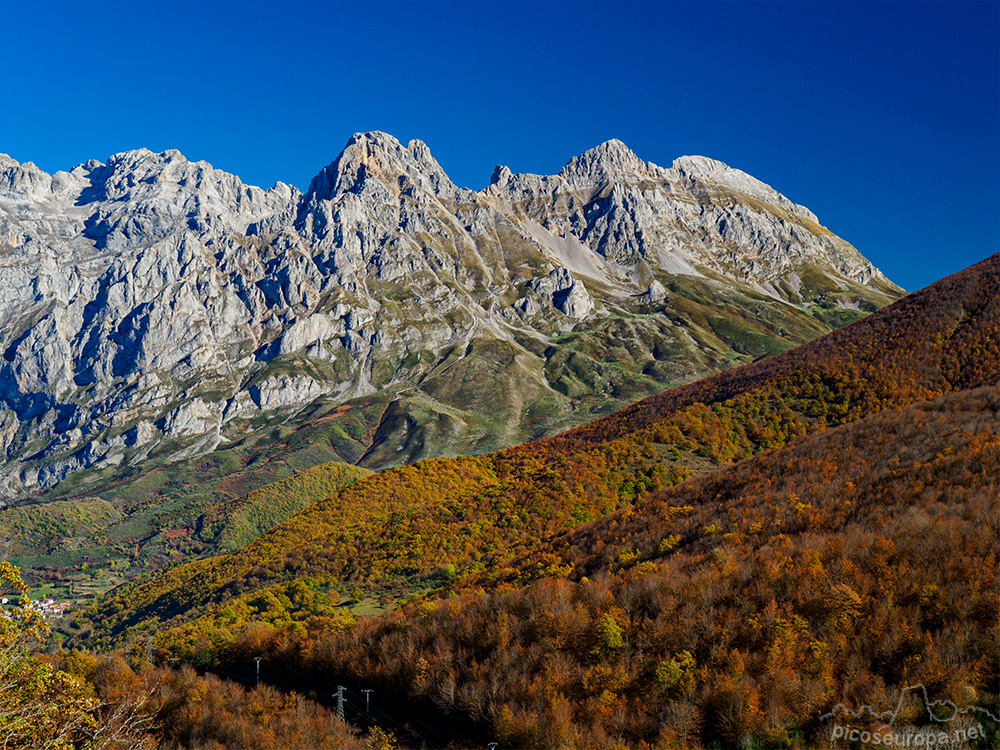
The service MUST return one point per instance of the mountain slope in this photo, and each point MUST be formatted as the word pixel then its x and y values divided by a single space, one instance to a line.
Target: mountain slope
pixel 477 514
pixel 939 339
pixel 154 309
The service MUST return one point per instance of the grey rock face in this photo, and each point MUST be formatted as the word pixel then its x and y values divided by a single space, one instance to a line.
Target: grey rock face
pixel 699 214
pixel 565 293
pixel 654 293
pixel 149 298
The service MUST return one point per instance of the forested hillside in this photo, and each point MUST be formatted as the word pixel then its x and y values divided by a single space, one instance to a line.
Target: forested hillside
pixel 732 610
pixel 76 700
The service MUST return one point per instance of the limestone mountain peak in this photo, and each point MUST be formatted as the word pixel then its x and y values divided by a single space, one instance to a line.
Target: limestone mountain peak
pixel 380 156
pixel 611 161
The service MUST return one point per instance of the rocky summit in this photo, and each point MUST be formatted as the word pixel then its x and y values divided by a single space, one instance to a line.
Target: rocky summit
pixel 153 308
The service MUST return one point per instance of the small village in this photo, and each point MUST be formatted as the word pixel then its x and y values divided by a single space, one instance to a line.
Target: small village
pixel 49 608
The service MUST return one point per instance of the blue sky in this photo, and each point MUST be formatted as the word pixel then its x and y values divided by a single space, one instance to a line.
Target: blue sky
pixel 881 117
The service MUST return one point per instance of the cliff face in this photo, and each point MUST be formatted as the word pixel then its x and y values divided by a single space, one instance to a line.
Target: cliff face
pixel 155 308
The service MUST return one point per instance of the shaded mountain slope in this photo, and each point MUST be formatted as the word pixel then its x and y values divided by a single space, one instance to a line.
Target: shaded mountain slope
pixel 81 546
pixel 474 514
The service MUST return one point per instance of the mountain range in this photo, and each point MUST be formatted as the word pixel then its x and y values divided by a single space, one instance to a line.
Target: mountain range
pixel 154 309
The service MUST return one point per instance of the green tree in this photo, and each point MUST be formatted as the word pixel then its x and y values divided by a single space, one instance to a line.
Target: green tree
pixel 608 637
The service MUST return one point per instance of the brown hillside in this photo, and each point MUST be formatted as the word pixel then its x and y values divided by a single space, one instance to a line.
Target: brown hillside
pixel 733 610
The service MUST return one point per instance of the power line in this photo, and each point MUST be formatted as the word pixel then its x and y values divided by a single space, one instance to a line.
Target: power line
pixel 339 695
pixel 376 715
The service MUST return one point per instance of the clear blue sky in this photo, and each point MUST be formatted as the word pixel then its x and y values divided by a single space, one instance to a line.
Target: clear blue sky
pixel 882 117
